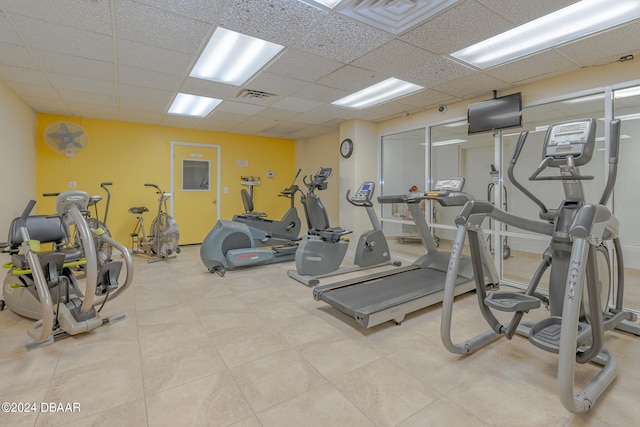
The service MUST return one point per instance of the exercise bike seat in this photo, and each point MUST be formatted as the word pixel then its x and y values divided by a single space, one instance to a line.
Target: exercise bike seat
pixel 45 229
pixel 137 210
pixel 248 205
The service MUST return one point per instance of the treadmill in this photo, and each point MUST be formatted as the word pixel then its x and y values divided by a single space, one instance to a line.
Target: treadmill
pixel 390 295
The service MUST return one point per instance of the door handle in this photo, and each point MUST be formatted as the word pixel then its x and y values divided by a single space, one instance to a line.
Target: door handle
pixel 214 201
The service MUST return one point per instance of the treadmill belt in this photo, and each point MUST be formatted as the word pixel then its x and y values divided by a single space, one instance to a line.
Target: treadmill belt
pixel 392 289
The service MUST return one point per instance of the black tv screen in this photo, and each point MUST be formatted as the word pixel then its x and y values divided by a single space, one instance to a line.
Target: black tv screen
pixel 494 114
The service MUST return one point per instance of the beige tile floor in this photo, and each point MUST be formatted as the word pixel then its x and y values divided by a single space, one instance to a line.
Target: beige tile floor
pixel 254 349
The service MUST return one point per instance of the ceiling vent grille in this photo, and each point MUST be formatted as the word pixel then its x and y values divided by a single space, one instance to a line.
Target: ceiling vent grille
pixel 394 16
pixel 250 93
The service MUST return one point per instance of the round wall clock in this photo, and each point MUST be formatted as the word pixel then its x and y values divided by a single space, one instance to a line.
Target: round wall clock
pixel 346 148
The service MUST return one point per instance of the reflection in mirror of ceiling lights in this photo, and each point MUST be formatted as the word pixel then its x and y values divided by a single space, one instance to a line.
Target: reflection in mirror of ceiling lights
pixel 627 93
pixel 448 142
pixel 582 99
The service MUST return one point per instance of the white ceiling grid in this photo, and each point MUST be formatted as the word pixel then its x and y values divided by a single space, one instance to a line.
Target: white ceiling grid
pixel 127 59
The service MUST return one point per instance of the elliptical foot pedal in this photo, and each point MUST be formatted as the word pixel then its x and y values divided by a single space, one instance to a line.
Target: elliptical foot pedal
pixel 511 301
pixel 546 334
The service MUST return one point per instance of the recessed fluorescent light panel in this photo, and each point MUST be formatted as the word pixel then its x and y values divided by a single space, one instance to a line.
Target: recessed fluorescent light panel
pixel 571 23
pixel 193 105
pixel 233 58
pixel 377 94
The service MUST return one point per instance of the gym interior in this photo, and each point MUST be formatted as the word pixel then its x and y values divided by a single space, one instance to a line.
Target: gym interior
pixel 254 348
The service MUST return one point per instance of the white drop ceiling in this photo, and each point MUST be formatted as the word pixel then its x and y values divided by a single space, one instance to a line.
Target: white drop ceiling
pixel 126 60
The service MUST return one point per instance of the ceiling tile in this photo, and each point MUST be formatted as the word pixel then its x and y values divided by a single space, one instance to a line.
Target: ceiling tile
pixel 32 90
pixel 47 105
pixel 55 62
pixel 181 121
pixel 321 93
pixel 341 39
pixel 239 108
pixel 202 10
pixel 302 65
pixel 66 48
pixel 536 66
pixel 92 15
pixel 17 56
pixel 427 98
pixel 457 27
pixel 63 82
pixel 278 21
pixel 471 86
pixel 273 83
pixel 54 37
pixel 148 78
pixel 520 12
pixel 351 78
pixel 605 47
pixel 296 104
pixel 145 93
pixel 436 72
pixel 153 58
pixel 157 27
pixel 7 34
pixel 126 102
pixel 395 58
pixel 208 88
pixel 75 96
pixel 23 75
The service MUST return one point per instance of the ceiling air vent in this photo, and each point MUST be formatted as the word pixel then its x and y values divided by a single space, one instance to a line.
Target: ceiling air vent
pixel 250 93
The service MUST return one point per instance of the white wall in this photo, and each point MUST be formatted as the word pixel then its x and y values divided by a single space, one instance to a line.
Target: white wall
pixel 17 144
pixel 311 154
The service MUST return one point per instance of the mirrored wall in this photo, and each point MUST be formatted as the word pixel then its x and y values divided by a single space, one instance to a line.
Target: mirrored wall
pixel 483 160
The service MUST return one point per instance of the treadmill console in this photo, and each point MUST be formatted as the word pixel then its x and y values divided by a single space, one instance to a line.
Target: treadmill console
pixel 364 194
pixel 448 192
pixel 575 138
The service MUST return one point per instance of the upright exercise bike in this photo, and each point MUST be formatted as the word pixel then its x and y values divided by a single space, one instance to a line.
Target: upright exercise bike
pixel 585 299
pixel 322 251
pixel 162 241
pixel 281 231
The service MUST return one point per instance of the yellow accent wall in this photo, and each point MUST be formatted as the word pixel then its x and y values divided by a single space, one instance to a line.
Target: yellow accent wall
pixel 130 155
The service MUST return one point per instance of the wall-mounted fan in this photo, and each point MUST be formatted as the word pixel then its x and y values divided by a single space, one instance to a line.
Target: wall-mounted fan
pixel 65 137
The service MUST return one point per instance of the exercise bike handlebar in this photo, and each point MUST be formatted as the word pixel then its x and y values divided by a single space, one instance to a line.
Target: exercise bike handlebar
pixel 363 203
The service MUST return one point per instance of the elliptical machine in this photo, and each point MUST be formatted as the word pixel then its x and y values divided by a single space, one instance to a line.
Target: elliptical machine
pixel 41 285
pixel 322 251
pixel 585 297
pixel 281 231
pixel 234 244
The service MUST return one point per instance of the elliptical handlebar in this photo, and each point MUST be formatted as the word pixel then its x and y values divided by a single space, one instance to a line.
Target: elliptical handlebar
pixel 614 146
pixel 516 154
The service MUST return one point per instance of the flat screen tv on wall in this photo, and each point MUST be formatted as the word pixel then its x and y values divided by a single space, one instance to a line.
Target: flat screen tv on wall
pixel 494 114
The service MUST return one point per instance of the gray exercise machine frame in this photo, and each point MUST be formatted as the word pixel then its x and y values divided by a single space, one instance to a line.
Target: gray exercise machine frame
pixel 591 226
pixel 400 305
